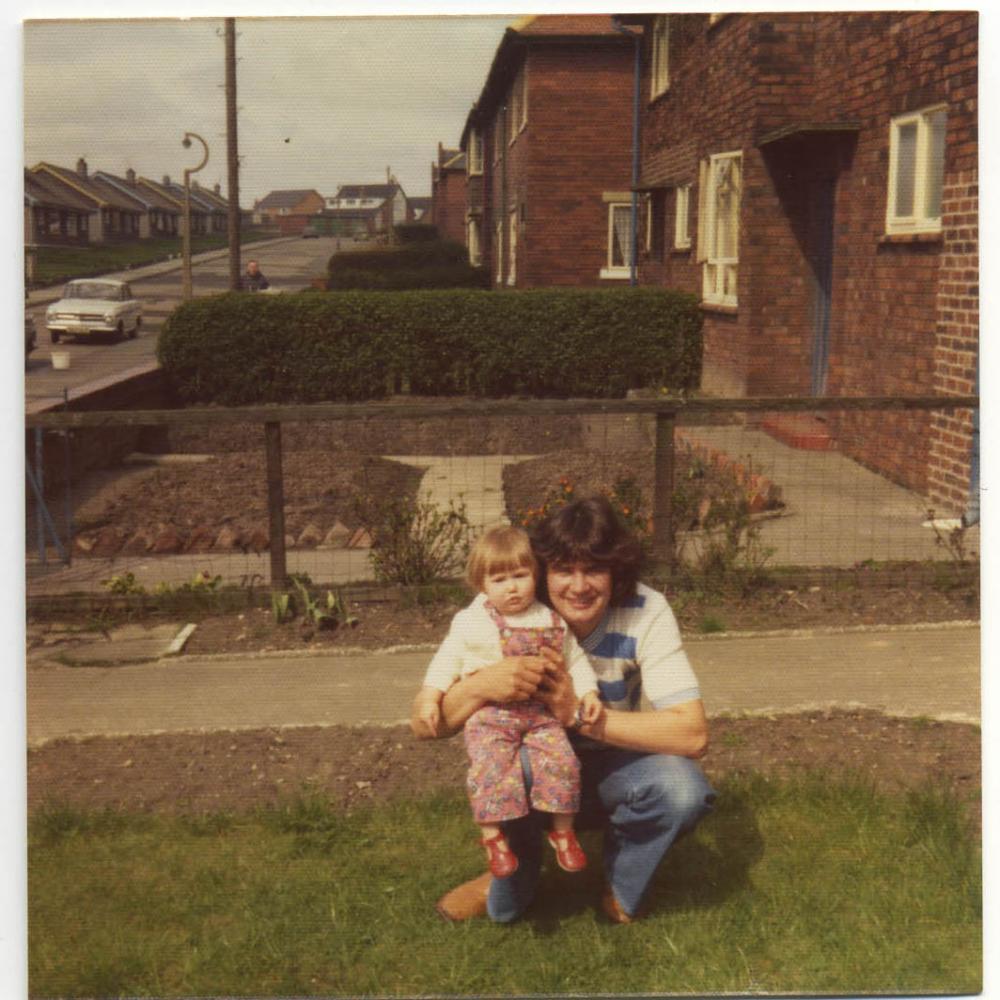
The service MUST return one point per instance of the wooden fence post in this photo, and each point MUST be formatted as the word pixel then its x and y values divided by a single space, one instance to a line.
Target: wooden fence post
pixel 275 504
pixel 663 488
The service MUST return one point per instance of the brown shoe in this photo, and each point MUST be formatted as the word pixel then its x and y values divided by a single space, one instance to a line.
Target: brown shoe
pixel 465 901
pixel 613 909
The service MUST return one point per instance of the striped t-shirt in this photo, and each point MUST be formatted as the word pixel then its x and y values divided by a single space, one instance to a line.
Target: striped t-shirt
pixel 636 650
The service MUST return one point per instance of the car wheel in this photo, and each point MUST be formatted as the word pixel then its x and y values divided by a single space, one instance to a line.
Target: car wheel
pixel 54 336
pixel 135 329
pixel 120 332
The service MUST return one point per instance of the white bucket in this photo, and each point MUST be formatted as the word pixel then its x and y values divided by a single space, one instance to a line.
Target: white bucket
pixel 60 359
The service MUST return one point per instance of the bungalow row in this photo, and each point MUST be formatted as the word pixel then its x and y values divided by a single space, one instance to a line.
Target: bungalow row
pixel 811 177
pixel 75 207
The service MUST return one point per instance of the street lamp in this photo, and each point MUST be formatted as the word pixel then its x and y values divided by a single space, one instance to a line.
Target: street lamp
pixel 186 246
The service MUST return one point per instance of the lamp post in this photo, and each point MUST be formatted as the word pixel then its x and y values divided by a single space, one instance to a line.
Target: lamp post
pixel 186 245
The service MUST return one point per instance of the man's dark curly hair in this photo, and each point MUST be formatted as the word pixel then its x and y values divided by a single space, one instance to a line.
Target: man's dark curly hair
pixel 588 531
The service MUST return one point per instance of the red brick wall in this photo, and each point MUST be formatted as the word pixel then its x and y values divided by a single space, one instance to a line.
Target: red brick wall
pixel 904 311
pixel 577 144
pixel 448 204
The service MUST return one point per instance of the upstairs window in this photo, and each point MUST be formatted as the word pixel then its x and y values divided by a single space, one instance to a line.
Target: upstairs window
pixel 474 240
pixel 659 62
pixel 720 186
pixel 916 172
pixel 475 159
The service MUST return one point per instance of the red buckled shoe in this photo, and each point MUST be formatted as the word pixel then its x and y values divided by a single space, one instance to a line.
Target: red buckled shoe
pixel 569 853
pixel 502 860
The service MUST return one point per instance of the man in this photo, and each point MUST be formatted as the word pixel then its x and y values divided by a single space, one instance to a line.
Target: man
pixel 254 280
pixel 638 764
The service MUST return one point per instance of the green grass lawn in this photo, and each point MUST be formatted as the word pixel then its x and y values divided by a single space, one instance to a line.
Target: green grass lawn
pixel 54 265
pixel 790 886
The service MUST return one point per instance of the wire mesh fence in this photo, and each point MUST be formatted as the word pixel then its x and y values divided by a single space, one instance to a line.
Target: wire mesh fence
pixel 251 496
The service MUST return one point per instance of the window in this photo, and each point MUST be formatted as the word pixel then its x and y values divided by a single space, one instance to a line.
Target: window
pixel 512 248
pixel 916 171
pixel 719 188
pixel 474 239
pixel 619 241
pixel 682 217
pixel 475 159
pixel 659 63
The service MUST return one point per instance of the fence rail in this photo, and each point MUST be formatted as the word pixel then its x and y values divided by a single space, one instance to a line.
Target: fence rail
pixel 677 438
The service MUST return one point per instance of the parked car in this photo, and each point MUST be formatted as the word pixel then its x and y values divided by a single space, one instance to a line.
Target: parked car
pixel 29 333
pixel 310 232
pixel 94 306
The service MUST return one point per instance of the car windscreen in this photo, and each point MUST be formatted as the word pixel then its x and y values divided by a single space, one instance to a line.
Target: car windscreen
pixel 92 290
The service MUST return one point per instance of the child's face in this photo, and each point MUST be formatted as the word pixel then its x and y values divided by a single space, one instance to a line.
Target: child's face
pixel 510 591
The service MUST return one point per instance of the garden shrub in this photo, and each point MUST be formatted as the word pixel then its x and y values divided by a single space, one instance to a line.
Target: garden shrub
pixel 238 349
pixel 432 263
pixel 415 232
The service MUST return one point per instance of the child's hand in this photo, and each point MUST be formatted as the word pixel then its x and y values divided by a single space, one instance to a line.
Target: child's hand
pixel 426 719
pixel 591 708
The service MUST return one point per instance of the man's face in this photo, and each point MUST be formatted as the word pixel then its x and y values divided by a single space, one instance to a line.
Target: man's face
pixel 581 593
pixel 252 267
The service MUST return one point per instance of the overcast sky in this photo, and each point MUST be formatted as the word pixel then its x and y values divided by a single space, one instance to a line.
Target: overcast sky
pixel 322 101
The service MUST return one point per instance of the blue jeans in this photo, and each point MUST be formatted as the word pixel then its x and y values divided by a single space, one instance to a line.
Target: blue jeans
pixel 645 802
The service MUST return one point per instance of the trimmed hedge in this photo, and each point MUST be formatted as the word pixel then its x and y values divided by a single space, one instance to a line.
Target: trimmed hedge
pixel 237 349
pixel 429 263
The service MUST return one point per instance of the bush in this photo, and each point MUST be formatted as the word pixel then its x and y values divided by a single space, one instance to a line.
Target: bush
pixel 415 232
pixel 237 349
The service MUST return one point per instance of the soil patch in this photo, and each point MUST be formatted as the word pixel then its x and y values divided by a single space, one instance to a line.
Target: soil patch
pixel 356 766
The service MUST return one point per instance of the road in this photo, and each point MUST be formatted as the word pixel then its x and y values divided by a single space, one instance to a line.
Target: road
pixel 290 264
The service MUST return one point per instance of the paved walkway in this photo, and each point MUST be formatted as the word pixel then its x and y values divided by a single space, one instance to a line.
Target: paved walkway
pixel 928 671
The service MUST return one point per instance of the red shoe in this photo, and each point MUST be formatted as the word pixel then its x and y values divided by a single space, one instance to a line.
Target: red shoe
pixel 569 853
pixel 503 861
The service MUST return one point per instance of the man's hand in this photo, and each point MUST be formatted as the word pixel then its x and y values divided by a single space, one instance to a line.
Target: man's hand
pixel 557 690
pixel 425 718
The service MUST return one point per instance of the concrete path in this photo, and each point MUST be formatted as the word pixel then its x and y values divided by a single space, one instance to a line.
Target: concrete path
pixel 928 671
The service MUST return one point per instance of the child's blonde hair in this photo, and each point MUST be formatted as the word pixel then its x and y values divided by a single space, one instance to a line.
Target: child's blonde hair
pixel 497 550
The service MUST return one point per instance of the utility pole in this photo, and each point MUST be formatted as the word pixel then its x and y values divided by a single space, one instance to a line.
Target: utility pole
pixel 232 154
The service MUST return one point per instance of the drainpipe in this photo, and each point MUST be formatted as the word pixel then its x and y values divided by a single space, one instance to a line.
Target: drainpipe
pixel 636 37
pixel 971 514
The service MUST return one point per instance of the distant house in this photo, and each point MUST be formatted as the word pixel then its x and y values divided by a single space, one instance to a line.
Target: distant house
pixel 386 201
pixel 288 210
pixel 551 136
pixel 448 194
pixel 418 209
pixel 54 214
pixel 113 215
pixel 813 179
pixel 161 216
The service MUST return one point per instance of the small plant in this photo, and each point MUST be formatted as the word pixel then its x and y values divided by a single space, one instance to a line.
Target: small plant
pixel 413 540
pixel 710 624
pixel 327 612
pixel 625 497
pixel 125 583
pixel 281 606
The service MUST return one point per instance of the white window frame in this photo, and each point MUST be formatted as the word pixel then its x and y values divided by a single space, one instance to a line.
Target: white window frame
pixel 613 270
pixel 523 79
pixel 927 174
pixel 475 158
pixel 659 60
pixel 474 241
pixel 512 247
pixel 720 272
pixel 682 217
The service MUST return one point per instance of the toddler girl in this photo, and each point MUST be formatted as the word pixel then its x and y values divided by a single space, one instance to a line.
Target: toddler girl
pixel 506 620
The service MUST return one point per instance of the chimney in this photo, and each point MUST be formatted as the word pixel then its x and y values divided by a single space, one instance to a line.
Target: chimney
pixel 387 175
pixel 130 177
pixel 81 167
pixel 218 189
pixel 166 180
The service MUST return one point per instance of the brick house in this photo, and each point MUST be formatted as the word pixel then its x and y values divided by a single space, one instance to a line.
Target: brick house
pixel 384 204
pixel 813 178
pixel 548 149
pixel 448 194
pixel 202 221
pixel 288 210
pixel 114 216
